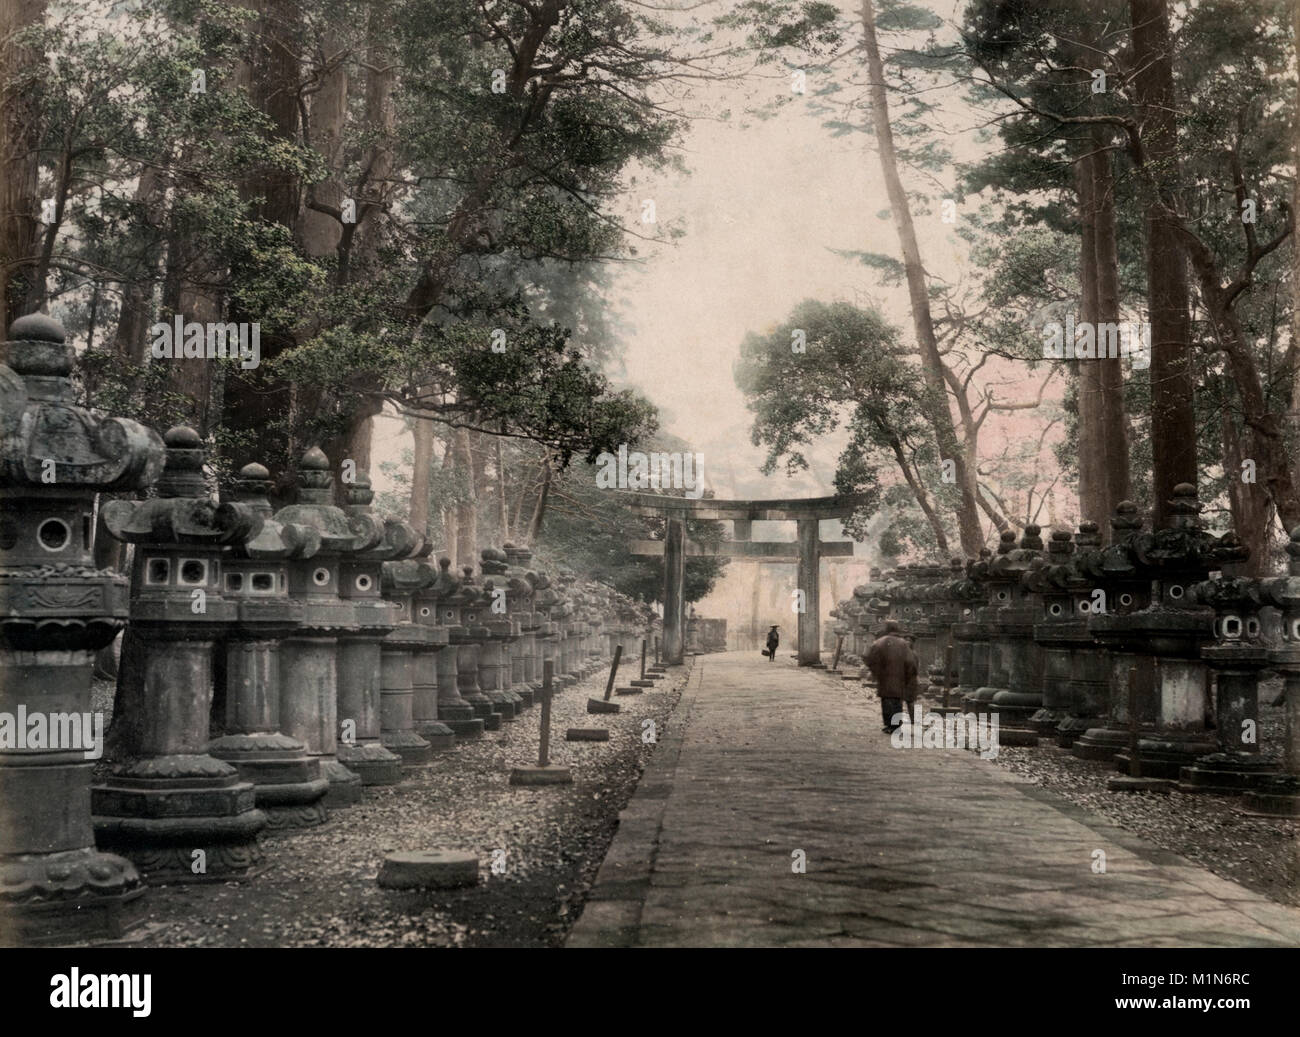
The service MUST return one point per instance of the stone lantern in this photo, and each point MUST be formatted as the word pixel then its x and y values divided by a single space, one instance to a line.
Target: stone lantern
pixel 427 655
pixel 179 813
pixel 1022 695
pixel 1236 658
pixel 1059 630
pixel 1280 796
pixel 970 646
pixel 547 603
pixel 288 784
pixel 404 711
pixel 56 611
pixel 439 598
pixel 947 612
pixel 375 693
pixel 309 657
pixel 566 615
pixel 519 601
pixel 1173 629
pixel 494 653
pixel 1001 582
pixel 463 607
pixel 1086 690
pixel 1124 590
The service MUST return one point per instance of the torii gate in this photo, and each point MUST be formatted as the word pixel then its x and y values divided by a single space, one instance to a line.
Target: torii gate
pixel 807 552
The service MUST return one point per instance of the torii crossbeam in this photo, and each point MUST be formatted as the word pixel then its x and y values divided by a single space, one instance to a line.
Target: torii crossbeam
pixel 807 552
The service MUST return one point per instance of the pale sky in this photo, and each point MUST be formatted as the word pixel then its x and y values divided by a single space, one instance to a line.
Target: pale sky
pixel 762 205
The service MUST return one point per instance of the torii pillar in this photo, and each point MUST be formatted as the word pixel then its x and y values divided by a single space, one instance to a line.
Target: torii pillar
pixel 807 553
pixel 675 592
pixel 809 584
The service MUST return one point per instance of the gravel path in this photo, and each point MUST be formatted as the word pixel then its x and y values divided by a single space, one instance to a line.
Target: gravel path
pixel 319 887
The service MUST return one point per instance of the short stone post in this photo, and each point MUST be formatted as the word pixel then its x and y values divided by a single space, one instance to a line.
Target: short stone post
pixel 545 773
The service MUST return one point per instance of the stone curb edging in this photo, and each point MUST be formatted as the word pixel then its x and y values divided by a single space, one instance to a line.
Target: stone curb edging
pixel 611 916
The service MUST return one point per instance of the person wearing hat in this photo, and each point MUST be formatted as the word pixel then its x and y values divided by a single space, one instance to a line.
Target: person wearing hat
pixel 773 639
pixel 893 664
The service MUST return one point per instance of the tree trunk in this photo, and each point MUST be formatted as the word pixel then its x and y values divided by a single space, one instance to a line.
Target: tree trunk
pixel 503 511
pixel 922 498
pixel 421 473
pixel 320 232
pixel 1091 448
pixel 1252 513
pixel 936 402
pixel 131 340
pixel 254 404
pixel 20 133
pixel 1173 420
pixel 1114 419
pixel 535 525
pixel 467 505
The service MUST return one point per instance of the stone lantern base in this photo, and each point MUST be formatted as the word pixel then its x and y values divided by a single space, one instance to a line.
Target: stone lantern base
pixel 1100 743
pixel 68 897
pixel 1164 755
pixel 288 786
pixel 371 762
pixel 1279 796
pixel 1227 774
pixel 181 819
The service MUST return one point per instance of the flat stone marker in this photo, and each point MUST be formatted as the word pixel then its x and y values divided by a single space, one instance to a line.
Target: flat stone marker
pixel 601 706
pixel 587 734
pixel 429 869
pixel 628 691
pixel 536 774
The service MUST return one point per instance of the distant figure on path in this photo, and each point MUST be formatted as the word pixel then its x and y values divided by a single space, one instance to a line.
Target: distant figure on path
pixel 893 663
pixel 773 639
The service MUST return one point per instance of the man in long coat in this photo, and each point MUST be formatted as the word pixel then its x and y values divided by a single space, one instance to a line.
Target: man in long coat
pixel 893 664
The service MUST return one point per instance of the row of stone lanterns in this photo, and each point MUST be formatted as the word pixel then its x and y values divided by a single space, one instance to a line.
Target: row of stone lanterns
pixel 348 655
pixel 1049 637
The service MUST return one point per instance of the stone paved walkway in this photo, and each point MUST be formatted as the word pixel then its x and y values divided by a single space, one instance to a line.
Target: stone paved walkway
pixel 919 847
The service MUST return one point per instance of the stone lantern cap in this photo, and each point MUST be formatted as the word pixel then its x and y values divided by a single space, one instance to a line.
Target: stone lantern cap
pixel 1183 549
pixel 274 540
pixel 408 585
pixel 493 564
pixel 179 536
pixel 40 423
pixel 1052 574
pixel 375 538
pixel 440 595
pixel 314 506
pixel 182 513
pixel 255 569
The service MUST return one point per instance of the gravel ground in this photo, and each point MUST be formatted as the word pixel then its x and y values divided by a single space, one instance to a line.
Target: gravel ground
pixel 1262 854
pixel 319 888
